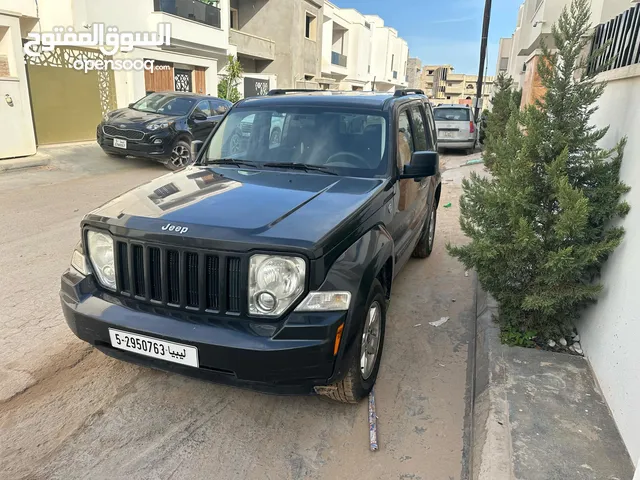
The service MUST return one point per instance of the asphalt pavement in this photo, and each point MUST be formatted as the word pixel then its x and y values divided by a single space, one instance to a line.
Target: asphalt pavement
pixel 67 411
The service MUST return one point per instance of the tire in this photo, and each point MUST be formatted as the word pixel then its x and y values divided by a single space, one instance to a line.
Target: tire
pixel 424 247
pixel 180 155
pixel 360 377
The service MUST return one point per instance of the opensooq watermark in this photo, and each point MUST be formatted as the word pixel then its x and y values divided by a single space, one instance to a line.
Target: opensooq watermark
pixel 106 39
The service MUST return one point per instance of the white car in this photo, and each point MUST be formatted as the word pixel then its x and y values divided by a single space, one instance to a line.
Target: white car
pixel 456 127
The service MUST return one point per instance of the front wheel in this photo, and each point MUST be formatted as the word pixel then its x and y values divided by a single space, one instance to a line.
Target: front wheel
pixel 180 155
pixel 365 360
pixel 424 246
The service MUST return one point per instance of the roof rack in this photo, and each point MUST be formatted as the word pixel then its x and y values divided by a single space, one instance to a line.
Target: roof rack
pixel 284 91
pixel 408 91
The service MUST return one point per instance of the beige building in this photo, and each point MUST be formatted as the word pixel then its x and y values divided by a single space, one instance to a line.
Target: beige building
pixel 443 86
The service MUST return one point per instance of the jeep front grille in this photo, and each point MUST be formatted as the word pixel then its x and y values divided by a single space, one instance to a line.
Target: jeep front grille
pixel 180 278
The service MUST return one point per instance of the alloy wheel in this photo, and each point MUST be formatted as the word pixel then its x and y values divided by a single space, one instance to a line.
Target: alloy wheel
pixel 180 156
pixel 370 340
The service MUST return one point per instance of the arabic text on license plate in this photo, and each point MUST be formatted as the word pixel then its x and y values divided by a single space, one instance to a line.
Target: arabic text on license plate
pixel 446 134
pixel 120 143
pixel 154 347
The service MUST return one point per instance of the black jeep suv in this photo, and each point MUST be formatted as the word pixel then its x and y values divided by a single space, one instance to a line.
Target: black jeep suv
pixel 267 265
pixel 161 126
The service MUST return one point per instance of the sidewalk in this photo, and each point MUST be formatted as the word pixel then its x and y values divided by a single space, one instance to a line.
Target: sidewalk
pixel 539 415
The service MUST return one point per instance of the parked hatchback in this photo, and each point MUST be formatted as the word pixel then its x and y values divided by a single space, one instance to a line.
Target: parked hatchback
pixel 456 127
pixel 161 126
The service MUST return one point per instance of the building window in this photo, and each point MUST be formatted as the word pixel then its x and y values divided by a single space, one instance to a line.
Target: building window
pixel 367 25
pixel 393 57
pixel 308 78
pixel 429 72
pixel 310 26
pixel 368 68
pixel 448 97
pixel 504 64
pixel 233 18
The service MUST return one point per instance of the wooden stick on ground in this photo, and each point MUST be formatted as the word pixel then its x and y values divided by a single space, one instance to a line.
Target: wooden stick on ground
pixel 373 422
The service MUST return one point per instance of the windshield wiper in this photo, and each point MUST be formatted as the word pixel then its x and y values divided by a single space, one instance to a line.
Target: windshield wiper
pixel 231 161
pixel 300 166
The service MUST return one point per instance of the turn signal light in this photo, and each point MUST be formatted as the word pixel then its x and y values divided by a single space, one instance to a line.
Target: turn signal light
pixel 336 345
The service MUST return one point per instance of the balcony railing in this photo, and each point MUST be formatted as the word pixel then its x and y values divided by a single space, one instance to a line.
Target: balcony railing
pixel 338 59
pixel 191 10
pixel 395 74
pixel 620 38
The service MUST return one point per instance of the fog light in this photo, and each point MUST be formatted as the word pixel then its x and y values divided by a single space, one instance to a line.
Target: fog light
pixel 157 141
pixel 266 301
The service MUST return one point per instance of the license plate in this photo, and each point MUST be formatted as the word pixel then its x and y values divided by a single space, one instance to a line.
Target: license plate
pixel 154 347
pixel 446 134
pixel 120 143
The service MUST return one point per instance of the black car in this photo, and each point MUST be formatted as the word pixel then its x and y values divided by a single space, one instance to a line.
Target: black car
pixel 161 126
pixel 268 265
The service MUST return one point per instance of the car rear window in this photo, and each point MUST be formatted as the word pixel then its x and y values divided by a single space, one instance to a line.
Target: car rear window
pixel 451 114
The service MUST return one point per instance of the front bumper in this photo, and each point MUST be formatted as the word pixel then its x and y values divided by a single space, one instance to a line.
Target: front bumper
pixel 289 357
pixel 147 147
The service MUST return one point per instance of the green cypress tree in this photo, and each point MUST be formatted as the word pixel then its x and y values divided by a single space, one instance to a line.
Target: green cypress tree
pixel 540 226
pixel 505 101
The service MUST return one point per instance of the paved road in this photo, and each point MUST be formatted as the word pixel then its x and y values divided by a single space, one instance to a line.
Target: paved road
pixel 67 411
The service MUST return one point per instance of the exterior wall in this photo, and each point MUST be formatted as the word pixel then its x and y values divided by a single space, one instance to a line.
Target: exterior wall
pixel 504 52
pixel 610 329
pixel 414 70
pixel 283 21
pixel 389 53
pixel 16 135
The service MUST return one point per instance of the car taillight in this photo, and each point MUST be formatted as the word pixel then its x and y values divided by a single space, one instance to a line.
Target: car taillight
pixel 472 127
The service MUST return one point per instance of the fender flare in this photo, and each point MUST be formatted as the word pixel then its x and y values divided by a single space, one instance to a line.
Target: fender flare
pixel 355 271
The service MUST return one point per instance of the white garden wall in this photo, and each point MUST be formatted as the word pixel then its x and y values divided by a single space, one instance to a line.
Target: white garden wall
pixel 610 330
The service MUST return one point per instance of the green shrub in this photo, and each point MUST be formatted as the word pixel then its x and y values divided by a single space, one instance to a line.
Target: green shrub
pixel 541 225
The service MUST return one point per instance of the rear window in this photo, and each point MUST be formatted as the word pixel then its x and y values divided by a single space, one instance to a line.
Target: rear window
pixel 451 114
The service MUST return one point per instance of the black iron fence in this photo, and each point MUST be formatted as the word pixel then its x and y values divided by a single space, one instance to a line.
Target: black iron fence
pixel 620 38
pixel 190 9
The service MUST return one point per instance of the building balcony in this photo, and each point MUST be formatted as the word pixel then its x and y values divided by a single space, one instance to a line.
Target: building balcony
pixel 253 46
pixel 455 77
pixel 338 59
pixel 195 27
pixel 191 10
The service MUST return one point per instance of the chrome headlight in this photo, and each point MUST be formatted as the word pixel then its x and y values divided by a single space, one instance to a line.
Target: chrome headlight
pixel 100 249
pixel 275 282
pixel 158 125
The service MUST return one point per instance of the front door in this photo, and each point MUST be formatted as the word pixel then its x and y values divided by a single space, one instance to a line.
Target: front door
pixel 200 128
pixel 410 199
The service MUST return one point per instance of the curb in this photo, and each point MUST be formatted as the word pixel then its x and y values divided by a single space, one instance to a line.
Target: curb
pixel 37 160
pixel 491 440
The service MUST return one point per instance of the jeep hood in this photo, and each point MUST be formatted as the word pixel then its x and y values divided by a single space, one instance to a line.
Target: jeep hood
pixel 242 209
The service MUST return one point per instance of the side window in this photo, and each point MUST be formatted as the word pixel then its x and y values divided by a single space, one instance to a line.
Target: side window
pixel 218 108
pixel 419 128
pixel 405 140
pixel 203 107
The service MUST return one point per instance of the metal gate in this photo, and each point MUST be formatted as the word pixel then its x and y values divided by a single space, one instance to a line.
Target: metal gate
pixel 182 80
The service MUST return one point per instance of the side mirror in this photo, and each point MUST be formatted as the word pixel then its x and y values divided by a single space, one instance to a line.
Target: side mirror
pixel 196 146
pixel 131 105
pixel 423 164
pixel 199 116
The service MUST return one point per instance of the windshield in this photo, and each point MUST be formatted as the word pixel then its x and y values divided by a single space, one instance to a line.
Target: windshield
pixel 451 114
pixel 345 142
pixel 165 103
